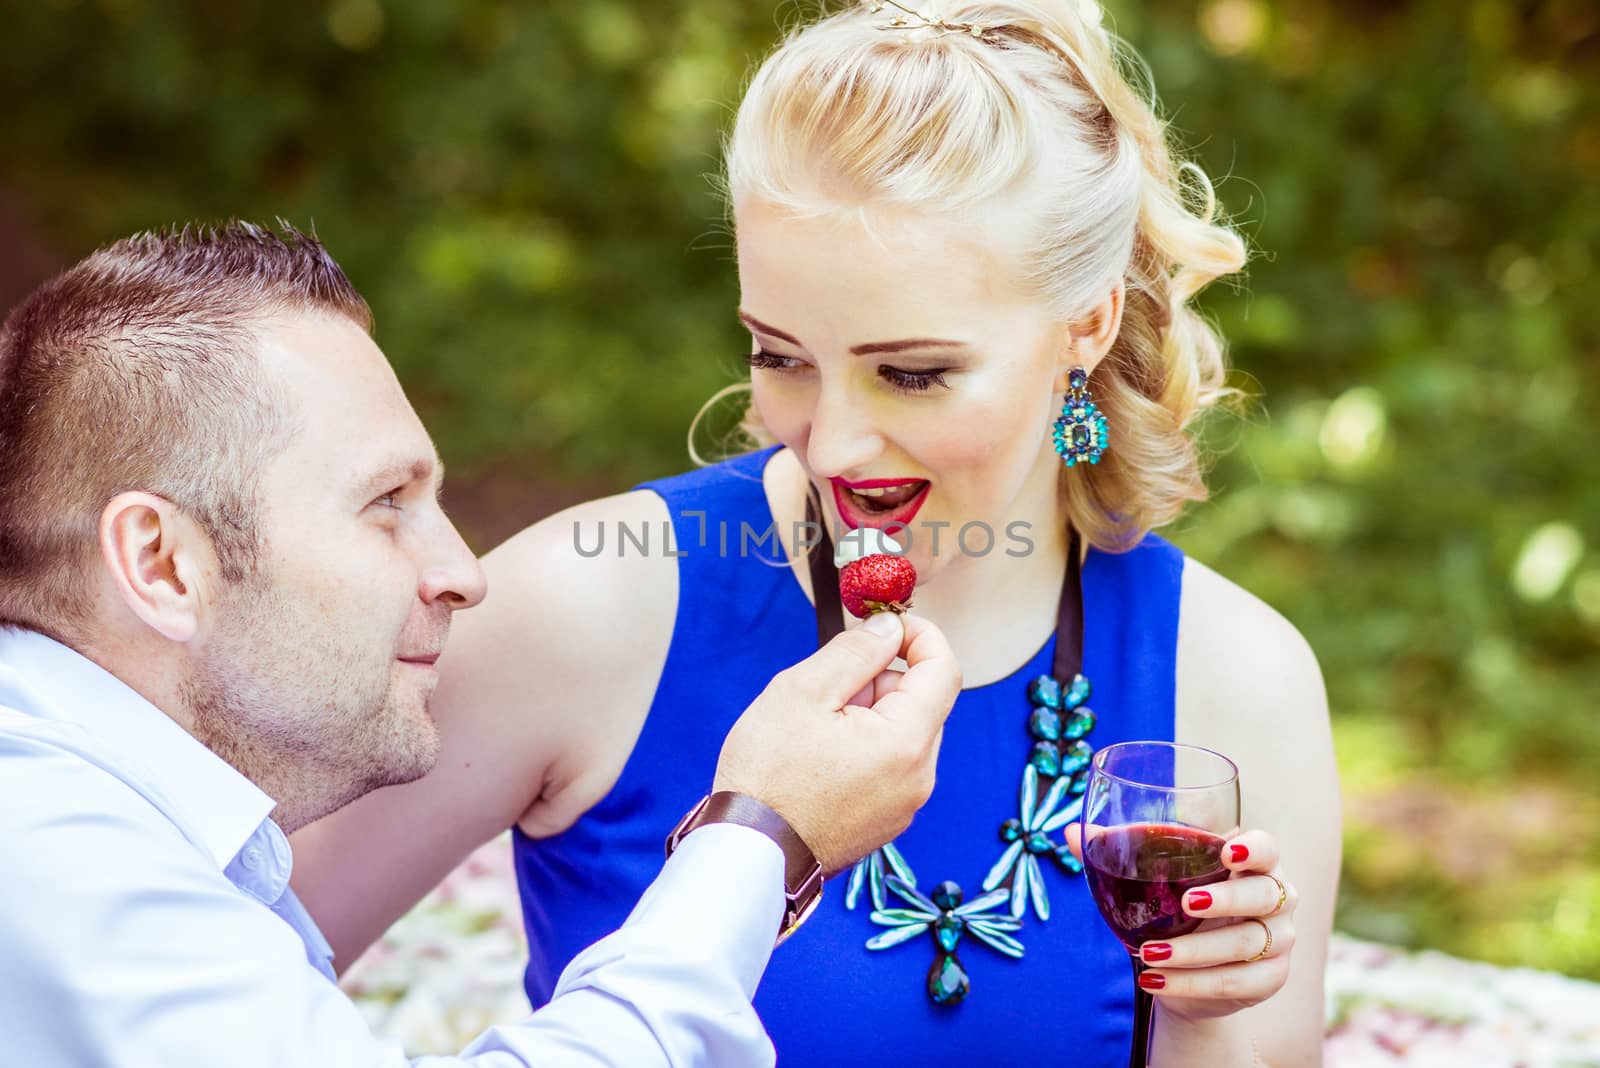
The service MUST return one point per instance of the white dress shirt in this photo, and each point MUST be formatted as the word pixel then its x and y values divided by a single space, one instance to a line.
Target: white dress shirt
pixel 146 919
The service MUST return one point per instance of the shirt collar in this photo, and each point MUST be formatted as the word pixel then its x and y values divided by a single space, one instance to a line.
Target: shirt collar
pixel 214 806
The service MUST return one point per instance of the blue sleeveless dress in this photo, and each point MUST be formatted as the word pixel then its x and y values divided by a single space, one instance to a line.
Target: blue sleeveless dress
pixel 826 999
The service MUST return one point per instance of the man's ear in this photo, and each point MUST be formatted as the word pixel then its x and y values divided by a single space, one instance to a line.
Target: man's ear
pixel 158 561
pixel 1087 339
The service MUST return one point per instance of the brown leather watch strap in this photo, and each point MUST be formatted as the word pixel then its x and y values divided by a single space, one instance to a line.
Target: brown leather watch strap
pixel 802 875
pixel 729 807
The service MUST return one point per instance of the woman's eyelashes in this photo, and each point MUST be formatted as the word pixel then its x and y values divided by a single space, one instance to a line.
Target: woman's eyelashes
pixel 763 360
pixel 897 378
pixel 912 381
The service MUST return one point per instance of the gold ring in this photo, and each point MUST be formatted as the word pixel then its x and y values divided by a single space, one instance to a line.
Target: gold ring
pixel 1283 893
pixel 1267 947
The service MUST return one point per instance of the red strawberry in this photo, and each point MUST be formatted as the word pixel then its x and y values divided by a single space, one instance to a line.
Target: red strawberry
pixel 877 583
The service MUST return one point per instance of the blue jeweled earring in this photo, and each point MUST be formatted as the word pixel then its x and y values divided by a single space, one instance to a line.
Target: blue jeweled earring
pixel 1079 434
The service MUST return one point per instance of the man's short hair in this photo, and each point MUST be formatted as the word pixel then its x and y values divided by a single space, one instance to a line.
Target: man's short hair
pixel 138 369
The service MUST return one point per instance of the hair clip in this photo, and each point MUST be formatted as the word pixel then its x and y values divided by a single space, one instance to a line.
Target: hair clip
pixel 918 20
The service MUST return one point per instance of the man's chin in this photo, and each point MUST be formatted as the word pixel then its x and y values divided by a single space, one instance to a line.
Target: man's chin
pixel 401 745
pixel 418 757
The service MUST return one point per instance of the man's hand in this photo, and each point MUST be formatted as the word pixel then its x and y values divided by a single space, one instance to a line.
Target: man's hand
pixel 843 748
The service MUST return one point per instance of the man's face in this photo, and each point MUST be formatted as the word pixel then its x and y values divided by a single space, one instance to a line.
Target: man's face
pixel 314 674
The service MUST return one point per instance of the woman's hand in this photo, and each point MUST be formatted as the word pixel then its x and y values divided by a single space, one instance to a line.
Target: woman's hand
pixel 1242 958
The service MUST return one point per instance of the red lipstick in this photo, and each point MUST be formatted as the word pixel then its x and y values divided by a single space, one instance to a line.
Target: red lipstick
pixel 854 514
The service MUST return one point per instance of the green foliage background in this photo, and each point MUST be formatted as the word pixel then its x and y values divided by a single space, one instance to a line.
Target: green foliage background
pixel 521 191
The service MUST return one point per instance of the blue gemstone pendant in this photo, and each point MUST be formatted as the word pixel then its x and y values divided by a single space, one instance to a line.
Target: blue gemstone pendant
pixel 947 932
pixel 1045 724
pixel 947 980
pixel 1077 693
pixel 1075 756
pixel 1046 759
pixel 1045 692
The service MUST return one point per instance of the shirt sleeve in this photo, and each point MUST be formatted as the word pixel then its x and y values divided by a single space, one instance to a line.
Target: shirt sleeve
pixel 125 947
pixel 673 986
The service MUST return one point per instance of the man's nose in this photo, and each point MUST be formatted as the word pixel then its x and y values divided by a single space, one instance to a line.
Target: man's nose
pixel 452 575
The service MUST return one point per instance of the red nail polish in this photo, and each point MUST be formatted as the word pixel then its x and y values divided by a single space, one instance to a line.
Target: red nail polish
pixel 1199 901
pixel 1157 951
pixel 1152 980
pixel 1238 854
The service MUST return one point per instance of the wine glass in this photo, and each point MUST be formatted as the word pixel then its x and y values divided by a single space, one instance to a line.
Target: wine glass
pixel 1155 817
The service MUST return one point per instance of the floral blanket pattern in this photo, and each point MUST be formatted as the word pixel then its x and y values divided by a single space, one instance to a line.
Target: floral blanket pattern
pixel 453 966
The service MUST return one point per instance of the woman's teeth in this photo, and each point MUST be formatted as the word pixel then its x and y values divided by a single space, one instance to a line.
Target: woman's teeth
pixel 885 498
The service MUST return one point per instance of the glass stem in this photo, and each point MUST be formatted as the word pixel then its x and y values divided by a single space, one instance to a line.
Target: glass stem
pixel 1143 1008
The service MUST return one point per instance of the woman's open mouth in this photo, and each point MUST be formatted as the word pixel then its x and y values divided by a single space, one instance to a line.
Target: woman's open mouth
pixel 879 502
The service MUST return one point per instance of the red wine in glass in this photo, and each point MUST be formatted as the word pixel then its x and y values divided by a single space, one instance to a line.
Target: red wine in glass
pixel 1155 817
pixel 1139 874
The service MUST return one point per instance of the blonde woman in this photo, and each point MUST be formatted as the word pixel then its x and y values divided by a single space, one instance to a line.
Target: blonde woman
pixel 966 256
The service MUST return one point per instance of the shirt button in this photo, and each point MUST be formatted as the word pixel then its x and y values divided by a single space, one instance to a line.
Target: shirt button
pixel 252 858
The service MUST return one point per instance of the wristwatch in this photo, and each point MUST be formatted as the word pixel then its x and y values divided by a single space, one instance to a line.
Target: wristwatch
pixel 802 875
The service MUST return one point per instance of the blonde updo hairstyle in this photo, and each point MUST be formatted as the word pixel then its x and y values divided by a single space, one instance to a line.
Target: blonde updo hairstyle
pixel 949 123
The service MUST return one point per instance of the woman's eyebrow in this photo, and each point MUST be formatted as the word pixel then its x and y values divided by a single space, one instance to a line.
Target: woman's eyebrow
pixel 756 324
pixel 877 347
pixel 868 349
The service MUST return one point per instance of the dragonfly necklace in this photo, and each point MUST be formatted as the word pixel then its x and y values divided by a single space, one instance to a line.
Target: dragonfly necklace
pixel 1054 777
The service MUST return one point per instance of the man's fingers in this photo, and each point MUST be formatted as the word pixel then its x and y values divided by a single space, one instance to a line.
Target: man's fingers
pixel 924 641
pixel 853 668
pixel 885 684
pixel 840 671
pixel 932 679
